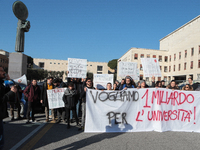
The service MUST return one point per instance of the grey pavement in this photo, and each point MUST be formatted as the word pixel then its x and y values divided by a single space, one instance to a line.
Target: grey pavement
pixel 59 137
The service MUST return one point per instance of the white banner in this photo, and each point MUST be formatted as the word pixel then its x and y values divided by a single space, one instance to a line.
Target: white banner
pixel 128 69
pixel 101 80
pixel 55 98
pixel 149 109
pixel 77 68
pixel 151 67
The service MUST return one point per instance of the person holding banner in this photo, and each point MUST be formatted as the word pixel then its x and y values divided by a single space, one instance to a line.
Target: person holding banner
pixel 44 100
pixel 115 87
pixel 172 85
pixel 121 84
pixel 129 83
pixel 109 86
pixel 89 85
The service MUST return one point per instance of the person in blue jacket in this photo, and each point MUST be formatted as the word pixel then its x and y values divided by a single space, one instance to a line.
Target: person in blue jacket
pixel 129 83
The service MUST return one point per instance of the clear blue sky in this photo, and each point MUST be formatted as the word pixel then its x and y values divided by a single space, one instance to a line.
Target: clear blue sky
pixel 96 30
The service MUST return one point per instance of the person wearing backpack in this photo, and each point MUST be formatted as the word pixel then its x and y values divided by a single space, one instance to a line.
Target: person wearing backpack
pixel 70 101
pixel 32 92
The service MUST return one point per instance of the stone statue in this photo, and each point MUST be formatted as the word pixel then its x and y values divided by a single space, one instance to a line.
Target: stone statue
pixel 21 12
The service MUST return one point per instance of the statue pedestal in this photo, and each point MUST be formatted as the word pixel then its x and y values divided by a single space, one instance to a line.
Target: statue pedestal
pixel 17 65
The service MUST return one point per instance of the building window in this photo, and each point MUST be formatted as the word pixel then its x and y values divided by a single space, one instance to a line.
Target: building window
pixel 54 63
pixel 50 62
pixel 185 64
pixel 199 49
pixel 192 51
pixel 160 58
pixel 174 68
pixel 136 56
pixel 170 58
pixel 148 55
pixel 198 63
pixel 141 67
pixel 142 56
pixel 154 56
pixel 179 67
pixel 90 65
pixel 179 55
pixel 185 53
pixel 160 68
pixel 147 78
pixel 99 72
pixel 169 68
pixel 41 64
pixel 165 68
pixel 166 58
pixel 165 78
pixel 174 57
pixel 191 66
pixel 58 63
pixel 99 68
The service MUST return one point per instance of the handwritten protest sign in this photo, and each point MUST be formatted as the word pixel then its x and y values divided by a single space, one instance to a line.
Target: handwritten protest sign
pixel 150 67
pixel 128 69
pixel 101 80
pixel 55 98
pixel 77 68
pixel 149 109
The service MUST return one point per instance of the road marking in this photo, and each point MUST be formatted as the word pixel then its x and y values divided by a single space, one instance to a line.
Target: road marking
pixel 27 137
pixel 36 138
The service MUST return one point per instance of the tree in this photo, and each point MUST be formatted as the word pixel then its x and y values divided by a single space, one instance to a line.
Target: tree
pixel 113 64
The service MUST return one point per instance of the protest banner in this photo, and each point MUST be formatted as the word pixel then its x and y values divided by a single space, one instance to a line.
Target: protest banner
pixel 148 109
pixel 128 69
pixel 151 67
pixel 101 80
pixel 55 98
pixel 77 68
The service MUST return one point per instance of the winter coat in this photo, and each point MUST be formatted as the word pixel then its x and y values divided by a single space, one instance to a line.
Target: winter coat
pixel 33 95
pixel 3 100
pixel 43 94
pixel 83 94
pixel 69 98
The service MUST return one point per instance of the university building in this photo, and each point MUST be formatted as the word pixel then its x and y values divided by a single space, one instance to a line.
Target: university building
pixel 62 65
pixel 178 56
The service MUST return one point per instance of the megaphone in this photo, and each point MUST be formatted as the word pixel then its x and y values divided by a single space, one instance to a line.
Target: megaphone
pixel 21 80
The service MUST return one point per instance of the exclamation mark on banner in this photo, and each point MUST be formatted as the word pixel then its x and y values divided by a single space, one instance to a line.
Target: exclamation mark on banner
pixel 194 114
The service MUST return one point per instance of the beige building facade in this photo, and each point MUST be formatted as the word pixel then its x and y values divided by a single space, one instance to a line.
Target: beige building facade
pixel 179 54
pixel 62 65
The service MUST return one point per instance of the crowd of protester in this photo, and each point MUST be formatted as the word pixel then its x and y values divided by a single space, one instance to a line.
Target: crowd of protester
pixel 74 97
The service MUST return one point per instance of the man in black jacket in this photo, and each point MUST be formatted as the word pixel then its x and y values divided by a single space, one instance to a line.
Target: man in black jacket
pixel 3 102
pixel 89 85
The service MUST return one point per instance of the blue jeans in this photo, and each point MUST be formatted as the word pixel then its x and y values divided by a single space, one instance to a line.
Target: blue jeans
pixel 1 135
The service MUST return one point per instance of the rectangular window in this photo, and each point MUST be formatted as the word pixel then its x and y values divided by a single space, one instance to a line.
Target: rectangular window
pixel 165 78
pixel 99 72
pixel 185 53
pixel 174 57
pixel 136 56
pixel 154 56
pixel 179 67
pixel 198 63
pixel 160 68
pixel 147 78
pixel 174 68
pixel 185 64
pixel 179 55
pixel 191 66
pixel 170 58
pixel 41 64
pixel 50 62
pixel 169 68
pixel 148 55
pixel 160 58
pixel 58 63
pixel 166 58
pixel 99 68
pixel 141 67
pixel 142 56
pixel 165 68
pixel 199 49
pixel 192 51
